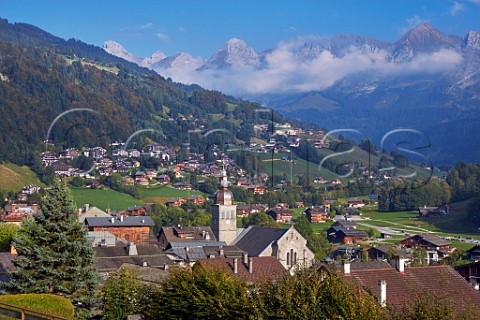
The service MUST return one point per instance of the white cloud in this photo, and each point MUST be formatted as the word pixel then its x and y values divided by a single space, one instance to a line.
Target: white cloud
pixel 457 7
pixel 162 36
pixel 285 73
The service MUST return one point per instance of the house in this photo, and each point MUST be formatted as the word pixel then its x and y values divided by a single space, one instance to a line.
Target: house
pixel 327 203
pixel 474 253
pixel 316 214
pixel 471 273
pixel 192 254
pixel 109 259
pixel 135 229
pixel 249 269
pixel 399 285
pixel 129 181
pixel 101 239
pixel 197 199
pixel 182 185
pixel 352 253
pixel 88 211
pixel 175 202
pixel 286 245
pixel 430 211
pixel 346 224
pixel 280 215
pixel 245 210
pixel 257 189
pixel 163 179
pixel 382 252
pixel 186 237
pixel 436 247
pixel 355 203
pixel 345 235
pixel 16 212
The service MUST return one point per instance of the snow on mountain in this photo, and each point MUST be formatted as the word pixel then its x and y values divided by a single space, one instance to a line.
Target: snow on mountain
pixel 182 60
pixel 153 60
pixel 118 50
pixel 234 53
pixel 472 40
pixel 424 38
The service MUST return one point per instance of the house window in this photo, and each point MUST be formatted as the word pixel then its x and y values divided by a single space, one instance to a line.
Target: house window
pixel 295 258
pixel 288 258
pixel 292 260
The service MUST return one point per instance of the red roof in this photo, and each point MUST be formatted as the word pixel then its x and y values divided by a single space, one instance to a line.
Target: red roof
pixel 263 268
pixel 442 280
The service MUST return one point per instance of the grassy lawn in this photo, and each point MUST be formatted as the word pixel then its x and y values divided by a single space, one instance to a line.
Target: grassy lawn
pixel 103 199
pixel 160 194
pixel 293 169
pixel 462 245
pixel 46 303
pixel 13 178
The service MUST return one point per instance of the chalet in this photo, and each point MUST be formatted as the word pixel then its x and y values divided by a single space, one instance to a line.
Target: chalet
pixel 346 224
pixel 48 158
pixel 351 253
pixel 471 273
pixel 181 236
pixel 197 199
pixel 437 248
pixel 382 251
pixel 163 179
pixel 249 269
pixel 316 214
pixel 257 189
pixel 328 203
pixel 355 203
pixel 280 215
pixel 182 185
pixel 142 181
pixel 345 235
pixel 175 202
pixel 70 153
pixel 245 210
pixel 129 181
pixel 134 211
pixel 397 286
pixel 474 253
pixel 286 245
pixel 134 153
pixel 135 229
pixel 430 211
pixel 63 169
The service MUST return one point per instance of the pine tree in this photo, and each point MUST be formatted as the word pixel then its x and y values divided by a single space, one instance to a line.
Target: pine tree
pixel 54 255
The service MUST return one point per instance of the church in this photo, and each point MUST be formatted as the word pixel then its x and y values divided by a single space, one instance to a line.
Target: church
pixel 287 245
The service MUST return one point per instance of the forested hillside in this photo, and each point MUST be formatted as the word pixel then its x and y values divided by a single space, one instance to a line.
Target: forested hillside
pixel 43 76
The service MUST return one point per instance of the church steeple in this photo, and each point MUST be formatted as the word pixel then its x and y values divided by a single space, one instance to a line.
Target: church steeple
pixel 224 212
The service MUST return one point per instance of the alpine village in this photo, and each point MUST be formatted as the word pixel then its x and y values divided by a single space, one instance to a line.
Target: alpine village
pixel 126 195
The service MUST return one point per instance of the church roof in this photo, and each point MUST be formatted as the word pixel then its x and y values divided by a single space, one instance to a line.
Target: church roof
pixel 255 239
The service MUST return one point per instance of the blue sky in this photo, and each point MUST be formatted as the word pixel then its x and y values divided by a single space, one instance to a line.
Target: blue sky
pixel 200 27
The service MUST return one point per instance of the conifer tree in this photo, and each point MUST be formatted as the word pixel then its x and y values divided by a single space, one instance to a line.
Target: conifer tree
pixel 54 255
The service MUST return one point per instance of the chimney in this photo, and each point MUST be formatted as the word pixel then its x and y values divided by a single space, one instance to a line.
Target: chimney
pixel 112 220
pixel 87 206
pixel 144 263
pixel 221 252
pixel 245 258
pixel 250 265
pixel 400 264
pixel 382 292
pixel 132 249
pixel 165 266
pixel 346 267
pixel 109 211
pixel 121 218
pixel 14 207
pixel 235 265
pixel 35 207
pixel 79 211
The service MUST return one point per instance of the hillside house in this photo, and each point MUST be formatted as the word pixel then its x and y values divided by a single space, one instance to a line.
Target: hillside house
pixel 436 247
pixel 280 215
pixel 181 236
pixel 316 214
pixel 134 229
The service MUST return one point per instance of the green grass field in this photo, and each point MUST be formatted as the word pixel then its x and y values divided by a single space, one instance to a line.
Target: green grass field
pixel 45 303
pixel 13 178
pixel 103 199
pixel 160 194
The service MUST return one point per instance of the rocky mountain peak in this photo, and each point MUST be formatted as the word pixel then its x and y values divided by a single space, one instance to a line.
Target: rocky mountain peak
pixel 472 40
pixel 234 53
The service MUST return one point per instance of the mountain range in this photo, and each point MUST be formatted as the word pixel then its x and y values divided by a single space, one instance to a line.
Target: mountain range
pixel 427 83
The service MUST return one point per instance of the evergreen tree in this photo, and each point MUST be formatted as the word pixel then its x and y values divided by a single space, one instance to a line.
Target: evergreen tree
pixel 54 254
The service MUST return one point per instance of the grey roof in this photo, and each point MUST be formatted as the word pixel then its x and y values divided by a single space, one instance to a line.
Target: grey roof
pixel 127 222
pixel 433 239
pixel 254 240
pixel 197 243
